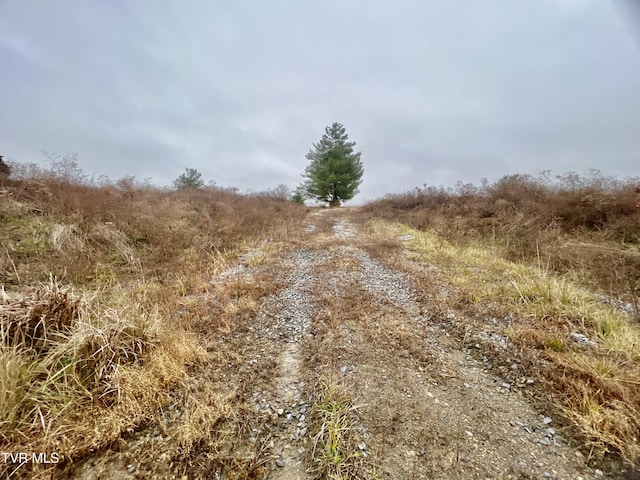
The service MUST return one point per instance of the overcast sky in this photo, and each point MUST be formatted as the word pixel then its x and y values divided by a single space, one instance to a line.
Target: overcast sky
pixel 431 91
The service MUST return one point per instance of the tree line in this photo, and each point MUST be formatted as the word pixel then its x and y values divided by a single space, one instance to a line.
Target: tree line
pixel 332 176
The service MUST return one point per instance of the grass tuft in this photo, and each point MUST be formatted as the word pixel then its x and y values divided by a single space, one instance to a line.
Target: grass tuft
pixel 335 453
pixel 39 318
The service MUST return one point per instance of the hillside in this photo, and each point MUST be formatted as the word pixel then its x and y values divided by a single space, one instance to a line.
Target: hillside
pixel 206 334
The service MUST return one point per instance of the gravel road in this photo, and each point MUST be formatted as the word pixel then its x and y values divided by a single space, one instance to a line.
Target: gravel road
pixel 430 408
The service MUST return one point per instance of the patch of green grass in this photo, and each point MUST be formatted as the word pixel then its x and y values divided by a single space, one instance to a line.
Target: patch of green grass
pixel 8 219
pixel 26 235
pixel 30 235
pixel 335 453
pixel 555 344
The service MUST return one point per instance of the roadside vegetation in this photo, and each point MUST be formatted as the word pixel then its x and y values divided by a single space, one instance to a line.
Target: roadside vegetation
pixel 125 312
pixel 585 224
pixel 103 306
pixel 552 264
pixel 335 454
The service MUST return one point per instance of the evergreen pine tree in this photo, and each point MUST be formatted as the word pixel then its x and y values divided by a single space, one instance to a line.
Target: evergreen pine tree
pixel 335 171
pixel 191 178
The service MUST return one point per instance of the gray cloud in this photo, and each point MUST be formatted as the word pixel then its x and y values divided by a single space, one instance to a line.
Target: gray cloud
pixel 432 92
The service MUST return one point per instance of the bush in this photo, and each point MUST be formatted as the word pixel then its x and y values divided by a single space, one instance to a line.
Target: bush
pixel 571 221
pixel 83 361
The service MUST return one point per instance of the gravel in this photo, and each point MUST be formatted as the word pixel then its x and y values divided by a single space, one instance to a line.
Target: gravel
pixel 292 308
pixel 379 280
pixel 342 230
pixel 286 316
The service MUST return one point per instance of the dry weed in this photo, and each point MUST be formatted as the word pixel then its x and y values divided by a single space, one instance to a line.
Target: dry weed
pixel 570 223
pixel 39 318
pixel 106 298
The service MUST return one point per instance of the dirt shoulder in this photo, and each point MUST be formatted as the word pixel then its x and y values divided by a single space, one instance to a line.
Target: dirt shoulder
pixel 334 365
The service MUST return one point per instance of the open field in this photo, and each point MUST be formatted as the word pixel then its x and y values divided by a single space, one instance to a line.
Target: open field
pixel 103 304
pixel 205 334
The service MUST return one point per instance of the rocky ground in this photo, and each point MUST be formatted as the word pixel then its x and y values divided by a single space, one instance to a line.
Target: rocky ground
pixel 345 310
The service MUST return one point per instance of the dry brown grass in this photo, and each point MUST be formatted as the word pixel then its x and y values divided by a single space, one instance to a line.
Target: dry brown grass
pixel 39 318
pixel 571 223
pixel 107 295
pixel 67 368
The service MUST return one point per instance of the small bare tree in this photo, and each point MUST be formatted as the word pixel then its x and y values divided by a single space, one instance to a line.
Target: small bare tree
pixel 65 168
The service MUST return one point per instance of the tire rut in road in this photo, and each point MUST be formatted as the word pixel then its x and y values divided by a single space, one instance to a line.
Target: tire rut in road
pixel 282 325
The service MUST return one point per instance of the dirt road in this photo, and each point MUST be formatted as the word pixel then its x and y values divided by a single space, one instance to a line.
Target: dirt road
pixel 343 371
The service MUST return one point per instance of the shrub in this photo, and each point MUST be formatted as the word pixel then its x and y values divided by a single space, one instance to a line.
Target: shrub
pixel 571 221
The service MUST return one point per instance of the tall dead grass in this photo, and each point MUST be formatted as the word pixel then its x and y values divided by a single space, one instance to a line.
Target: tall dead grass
pixel 93 278
pixel 59 353
pixel 568 223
